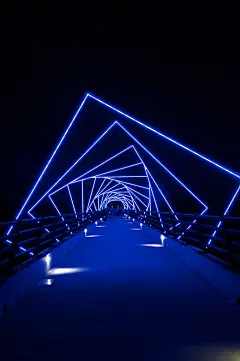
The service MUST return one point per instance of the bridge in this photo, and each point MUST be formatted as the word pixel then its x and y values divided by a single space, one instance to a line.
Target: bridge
pixel 102 264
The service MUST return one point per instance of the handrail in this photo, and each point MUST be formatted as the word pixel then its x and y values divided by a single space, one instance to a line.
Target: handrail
pixel 30 237
pixel 206 232
pixel 31 220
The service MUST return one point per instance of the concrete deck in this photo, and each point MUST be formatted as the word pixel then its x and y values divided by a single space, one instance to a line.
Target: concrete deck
pixel 125 301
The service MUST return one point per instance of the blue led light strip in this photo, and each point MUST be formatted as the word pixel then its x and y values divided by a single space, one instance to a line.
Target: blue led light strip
pixel 94 205
pixel 82 198
pixel 226 212
pixel 104 194
pixel 136 185
pixel 101 185
pixel 148 173
pixel 98 175
pixel 160 191
pixel 133 190
pixel 49 161
pixel 108 190
pixel 104 191
pixel 120 193
pixel 137 198
pixel 122 168
pixel 98 193
pixel 70 195
pixel 137 154
pixel 45 228
pixel 137 192
pixel 107 194
pixel 190 226
pixel 150 203
pixel 99 165
pixel 134 203
pixel 156 207
pixel 129 198
pixel 117 155
pixel 166 137
pixel 78 178
pixel 118 189
pixel 91 193
pixel 59 213
pixel 75 180
pixel 155 201
pixel 128 187
pixel 115 194
pixel 129 176
pixel 73 206
pixel 74 164
pixel 100 189
pixel 104 178
pixel 117 199
pixel 163 166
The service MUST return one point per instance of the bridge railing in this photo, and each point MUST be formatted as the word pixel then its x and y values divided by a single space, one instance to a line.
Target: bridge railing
pixel 30 238
pixel 218 236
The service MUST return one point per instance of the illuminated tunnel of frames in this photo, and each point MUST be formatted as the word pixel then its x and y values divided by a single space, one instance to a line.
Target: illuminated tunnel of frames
pixel 134 184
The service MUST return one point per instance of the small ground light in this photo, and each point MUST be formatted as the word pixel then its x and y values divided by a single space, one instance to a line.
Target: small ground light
pixel 85 231
pixel 96 223
pixel 151 245
pixel 46 282
pixel 162 237
pixel 133 220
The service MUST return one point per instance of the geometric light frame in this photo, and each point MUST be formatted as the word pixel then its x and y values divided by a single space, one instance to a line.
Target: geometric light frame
pixel 91 96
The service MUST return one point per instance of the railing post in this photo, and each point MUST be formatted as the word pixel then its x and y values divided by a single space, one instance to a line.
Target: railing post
pixel 14 247
pixel 212 236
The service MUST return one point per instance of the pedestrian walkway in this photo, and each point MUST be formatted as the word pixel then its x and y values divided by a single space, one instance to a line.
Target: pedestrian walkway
pixel 116 296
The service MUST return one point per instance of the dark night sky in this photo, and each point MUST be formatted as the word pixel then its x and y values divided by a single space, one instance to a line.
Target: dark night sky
pixel 189 92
